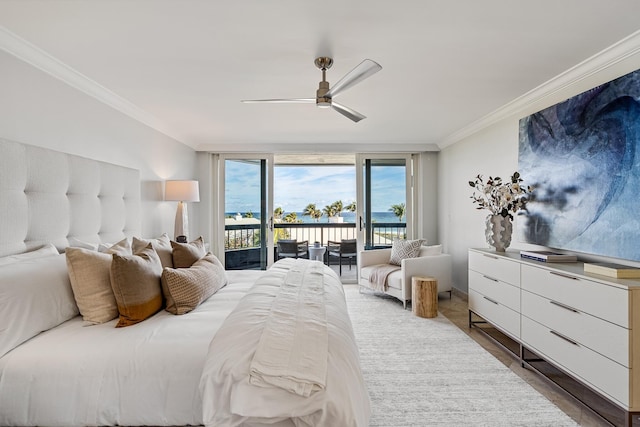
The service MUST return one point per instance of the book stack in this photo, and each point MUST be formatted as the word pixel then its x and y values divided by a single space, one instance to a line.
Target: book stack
pixel 548 256
pixel 617 271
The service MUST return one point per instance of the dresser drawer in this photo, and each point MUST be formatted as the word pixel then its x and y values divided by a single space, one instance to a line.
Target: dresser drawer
pixel 601 373
pixel 600 300
pixel 501 292
pixel 495 267
pixel 497 314
pixel 600 336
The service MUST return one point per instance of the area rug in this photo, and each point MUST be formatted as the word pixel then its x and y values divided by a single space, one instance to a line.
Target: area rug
pixel 427 372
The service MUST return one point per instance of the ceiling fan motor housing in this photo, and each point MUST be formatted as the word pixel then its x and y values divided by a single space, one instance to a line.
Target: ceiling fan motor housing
pixel 321 100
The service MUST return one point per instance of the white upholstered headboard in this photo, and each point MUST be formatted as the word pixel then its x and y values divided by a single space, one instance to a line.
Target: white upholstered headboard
pixel 49 196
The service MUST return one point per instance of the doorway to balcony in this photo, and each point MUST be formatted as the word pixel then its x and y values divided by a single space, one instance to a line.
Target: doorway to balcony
pixel 315 200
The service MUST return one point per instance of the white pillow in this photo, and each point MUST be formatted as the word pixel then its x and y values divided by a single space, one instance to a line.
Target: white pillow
pixel 35 295
pixel 47 250
pixel 77 243
pixel 100 247
pixel 430 250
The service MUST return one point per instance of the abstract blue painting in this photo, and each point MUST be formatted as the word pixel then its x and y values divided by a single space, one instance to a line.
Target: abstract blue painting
pixel 582 156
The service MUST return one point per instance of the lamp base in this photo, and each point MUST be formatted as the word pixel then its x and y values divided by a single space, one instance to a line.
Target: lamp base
pixel 181 230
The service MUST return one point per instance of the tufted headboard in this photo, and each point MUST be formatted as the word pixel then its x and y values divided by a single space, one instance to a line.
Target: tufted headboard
pixel 49 196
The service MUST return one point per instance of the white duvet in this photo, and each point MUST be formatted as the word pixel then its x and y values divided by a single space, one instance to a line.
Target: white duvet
pixel 231 400
pixel 152 373
pixel 146 374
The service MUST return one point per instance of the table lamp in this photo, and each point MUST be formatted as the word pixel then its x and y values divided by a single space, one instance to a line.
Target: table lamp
pixel 182 192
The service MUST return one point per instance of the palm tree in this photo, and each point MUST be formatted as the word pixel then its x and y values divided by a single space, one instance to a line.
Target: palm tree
pixel 248 214
pixel 291 217
pixel 277 213
pixel 338 207
pixel 351 207
pixel 329 211
pixel 312 211
pixel 398 210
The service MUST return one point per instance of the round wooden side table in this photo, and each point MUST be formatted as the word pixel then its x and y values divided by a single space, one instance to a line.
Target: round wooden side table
pixel 424 296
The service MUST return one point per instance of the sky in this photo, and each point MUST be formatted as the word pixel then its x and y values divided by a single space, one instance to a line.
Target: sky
pixel 297 186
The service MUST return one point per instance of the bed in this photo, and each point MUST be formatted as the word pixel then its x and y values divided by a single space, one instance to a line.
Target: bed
pixel 214 366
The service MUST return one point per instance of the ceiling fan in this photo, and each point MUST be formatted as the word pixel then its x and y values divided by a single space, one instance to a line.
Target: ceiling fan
pixel 324 94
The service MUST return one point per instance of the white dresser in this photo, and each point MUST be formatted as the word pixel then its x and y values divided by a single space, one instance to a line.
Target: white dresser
pixel 586 325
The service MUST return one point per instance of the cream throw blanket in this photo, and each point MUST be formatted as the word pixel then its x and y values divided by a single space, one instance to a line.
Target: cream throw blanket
pixel 293 349
pixel 379 274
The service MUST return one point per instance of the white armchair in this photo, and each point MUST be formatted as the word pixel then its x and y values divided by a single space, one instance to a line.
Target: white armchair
pixel 399 282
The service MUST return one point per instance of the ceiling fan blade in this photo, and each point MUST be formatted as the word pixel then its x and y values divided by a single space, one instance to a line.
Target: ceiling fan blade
pixel 281 101
pixel 347 112
pixel 366 69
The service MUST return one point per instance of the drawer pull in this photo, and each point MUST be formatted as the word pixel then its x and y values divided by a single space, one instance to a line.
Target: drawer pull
pixel 490 300
pixel 566 276
pixel 490 256
pixel 490 278
pixel 566 307
pixel 559 335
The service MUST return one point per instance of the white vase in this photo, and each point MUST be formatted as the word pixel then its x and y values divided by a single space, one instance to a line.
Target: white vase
pixel 498 232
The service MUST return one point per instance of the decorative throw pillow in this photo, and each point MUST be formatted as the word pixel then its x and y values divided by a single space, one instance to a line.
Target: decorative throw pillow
pixel 135 280
pixel 186 288
pixel 162 246
pixel 89 274
pixel 185 254
pixel 403 249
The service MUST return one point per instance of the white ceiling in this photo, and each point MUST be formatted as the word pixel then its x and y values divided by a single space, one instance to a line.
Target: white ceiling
pixel 186 64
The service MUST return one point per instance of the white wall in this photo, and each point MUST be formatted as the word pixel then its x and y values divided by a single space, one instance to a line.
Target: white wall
pixel 38 109
pixel 494 151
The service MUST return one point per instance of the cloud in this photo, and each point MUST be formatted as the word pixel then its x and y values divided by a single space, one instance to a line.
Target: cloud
pixel 297 186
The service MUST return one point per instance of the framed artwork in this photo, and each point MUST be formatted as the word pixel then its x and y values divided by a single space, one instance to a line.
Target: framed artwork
pixel 582 156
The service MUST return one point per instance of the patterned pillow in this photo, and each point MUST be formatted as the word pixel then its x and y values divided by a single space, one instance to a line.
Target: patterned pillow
pixel 186 288
pixel 403 249
pixel 185 254
pixel 135 280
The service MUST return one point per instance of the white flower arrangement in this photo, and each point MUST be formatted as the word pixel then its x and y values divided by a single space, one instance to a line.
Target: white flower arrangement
pixel 500 197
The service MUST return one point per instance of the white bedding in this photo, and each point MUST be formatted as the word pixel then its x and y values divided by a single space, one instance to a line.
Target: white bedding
pixel 146 374
pixel 231 400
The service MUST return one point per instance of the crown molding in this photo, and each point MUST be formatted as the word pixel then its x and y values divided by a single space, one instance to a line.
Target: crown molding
pixel 317 148
pixel 33 55
pixel 618 52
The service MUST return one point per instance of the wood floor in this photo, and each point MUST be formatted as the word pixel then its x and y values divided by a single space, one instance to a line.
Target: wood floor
pixel 456 310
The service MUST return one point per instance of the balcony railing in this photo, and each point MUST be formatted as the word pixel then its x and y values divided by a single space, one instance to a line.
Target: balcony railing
pixel 246 236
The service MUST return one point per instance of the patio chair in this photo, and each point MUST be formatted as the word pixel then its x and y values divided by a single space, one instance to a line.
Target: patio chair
pixel 293 249
pixel 347 248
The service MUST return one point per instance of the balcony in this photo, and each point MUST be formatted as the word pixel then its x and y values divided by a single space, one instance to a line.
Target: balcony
pixel 244 247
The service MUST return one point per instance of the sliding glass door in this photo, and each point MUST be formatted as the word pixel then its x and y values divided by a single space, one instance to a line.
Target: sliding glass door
pixel 385 202
pixel 246 206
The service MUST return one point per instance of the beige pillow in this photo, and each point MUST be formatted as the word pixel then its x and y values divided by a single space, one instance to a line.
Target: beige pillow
pixel 403 249
pixel 89 276
pixel 161 245
pixel 135 280
pixel 186 288
pixel 185 254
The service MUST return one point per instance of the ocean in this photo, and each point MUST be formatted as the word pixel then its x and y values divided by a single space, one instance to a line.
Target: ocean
pixel 348 217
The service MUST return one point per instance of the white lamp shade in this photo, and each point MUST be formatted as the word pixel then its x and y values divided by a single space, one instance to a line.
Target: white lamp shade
pixel 182 191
